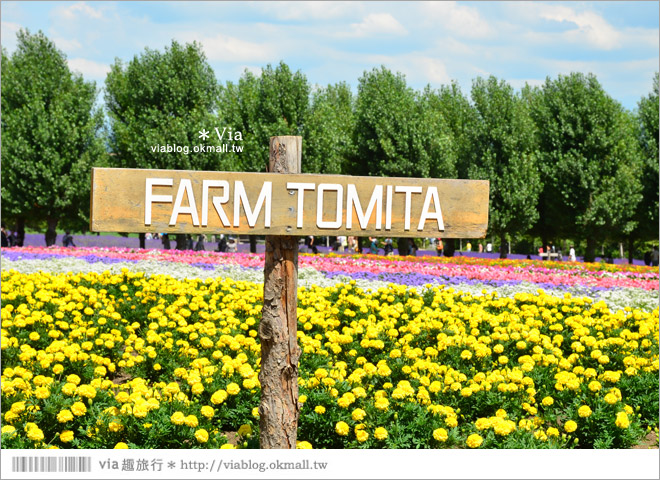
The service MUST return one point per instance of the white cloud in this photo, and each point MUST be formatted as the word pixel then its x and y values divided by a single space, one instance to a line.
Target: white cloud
pixel 434 70
pixel 89 68
pixel 418 68
pixel 256 71
pixel 462 20
pixel 9 31
pixel 80 9
pixel 67 44
pixel 231 49
pixel 591 27
pixel 376 24
pixel 307 10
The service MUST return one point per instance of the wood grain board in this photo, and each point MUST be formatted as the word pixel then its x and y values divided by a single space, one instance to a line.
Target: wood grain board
pixel 121 199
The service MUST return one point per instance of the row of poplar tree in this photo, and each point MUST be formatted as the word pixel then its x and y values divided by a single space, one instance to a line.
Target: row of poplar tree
pixel 565 160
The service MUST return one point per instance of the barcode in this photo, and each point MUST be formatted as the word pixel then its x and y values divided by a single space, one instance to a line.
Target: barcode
pixel 51 464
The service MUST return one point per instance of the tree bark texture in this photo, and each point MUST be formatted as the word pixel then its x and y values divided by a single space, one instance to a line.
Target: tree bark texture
pixel 279 408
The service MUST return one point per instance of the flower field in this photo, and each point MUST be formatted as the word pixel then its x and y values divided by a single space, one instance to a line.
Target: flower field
pixel 115 348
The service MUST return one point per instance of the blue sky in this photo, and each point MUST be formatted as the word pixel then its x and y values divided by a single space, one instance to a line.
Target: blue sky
pixel 430 42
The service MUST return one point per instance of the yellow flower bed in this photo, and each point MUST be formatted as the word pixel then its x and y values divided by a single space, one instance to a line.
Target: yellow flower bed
pixel 109 361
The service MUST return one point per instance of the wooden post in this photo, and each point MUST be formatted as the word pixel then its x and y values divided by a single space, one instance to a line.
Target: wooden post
pixel 279 409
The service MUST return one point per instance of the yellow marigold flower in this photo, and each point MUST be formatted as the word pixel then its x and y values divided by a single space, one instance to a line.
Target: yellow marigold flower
pixel 68 388
pixel 570 426
pixel 622 420
pixel 302 398
pixel 191 421
pixel 342 428
pixel 207 411
pixel 245 430
pixel 552 432
pixel 86 391
pixel 547 401
pixel 17 407
pixel 358 414
pixel 362 436
pixel 122 397
pixel 611 399
pixel 202 435
pixel 382 403
pixel 255 412
pixel 440 434
pixel 474 440
pixel 584 411
pixel 320 409
pixel 65 416
pixel 140 410
pixel 380 433
pixel 66 436
pixel 178 418
pixel 121 445
pixel 227 446
pixel 115 427
pixel 595 385
pixel 501 413
pixel 451 422
pixel 73 378
pixel 197 388
pixel 42 393
pixel 78 409
pixel 482 423
pixel 233 389
pixel 218 397
pixel 35 434
pixel 304 445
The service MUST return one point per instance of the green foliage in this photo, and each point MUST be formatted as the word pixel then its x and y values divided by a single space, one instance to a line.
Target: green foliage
pixel 647 210
pixel 398 132
pixel 505 152
pixel 461 120
pixel 328 144
pixel 590 160
pixel 51 135
pixel 161 98
pixel 275 103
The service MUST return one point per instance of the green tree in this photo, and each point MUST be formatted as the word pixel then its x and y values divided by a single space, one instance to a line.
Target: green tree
pixel 272 104
pixel 505 152
pixel 461 118
pixel 384 119
pixel 51 137
pixel 590 162
pixel 160 100
pixel 646 214
pixel 459 124
pixel 399 132
pixel 329 130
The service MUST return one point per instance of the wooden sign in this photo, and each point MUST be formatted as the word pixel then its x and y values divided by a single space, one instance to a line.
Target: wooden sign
pixel 179 201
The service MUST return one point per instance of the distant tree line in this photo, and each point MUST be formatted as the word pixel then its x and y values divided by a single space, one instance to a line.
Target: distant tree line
pixel 565 160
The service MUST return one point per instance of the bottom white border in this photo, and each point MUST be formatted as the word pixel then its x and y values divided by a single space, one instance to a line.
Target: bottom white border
pixel 359 464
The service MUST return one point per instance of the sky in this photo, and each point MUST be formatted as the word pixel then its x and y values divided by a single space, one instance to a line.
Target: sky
pixel 432 43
